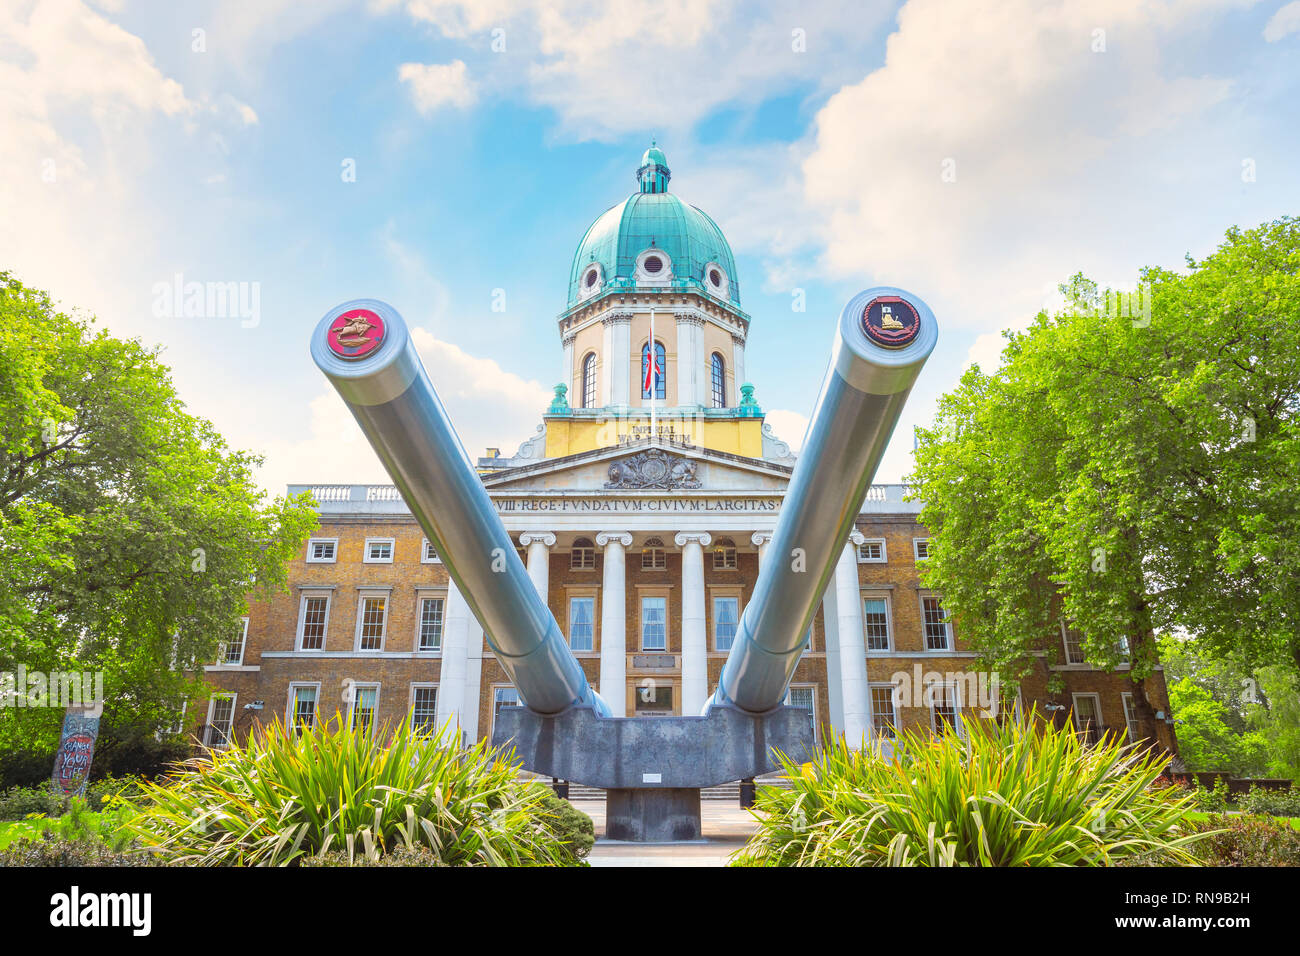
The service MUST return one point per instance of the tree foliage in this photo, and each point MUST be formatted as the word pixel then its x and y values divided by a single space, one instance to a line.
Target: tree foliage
pixel 1132 473
pixel 130 534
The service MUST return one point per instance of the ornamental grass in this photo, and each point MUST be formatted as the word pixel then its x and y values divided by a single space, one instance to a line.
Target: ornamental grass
pixel 284 797
pixel 1023 793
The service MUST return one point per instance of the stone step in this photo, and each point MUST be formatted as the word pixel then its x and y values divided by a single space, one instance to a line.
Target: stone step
pixel 726 791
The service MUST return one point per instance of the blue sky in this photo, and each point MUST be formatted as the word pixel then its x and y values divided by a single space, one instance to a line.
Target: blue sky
pixel 974 153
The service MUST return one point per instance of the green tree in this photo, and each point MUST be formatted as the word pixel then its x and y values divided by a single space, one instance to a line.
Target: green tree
pixel 1131 473
pixel 130 534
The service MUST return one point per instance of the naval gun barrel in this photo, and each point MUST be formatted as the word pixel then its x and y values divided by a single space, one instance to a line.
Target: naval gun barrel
pixel 365 350
pixel 882 340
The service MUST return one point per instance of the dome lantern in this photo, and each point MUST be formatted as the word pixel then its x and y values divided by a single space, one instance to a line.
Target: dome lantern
pixel 653 173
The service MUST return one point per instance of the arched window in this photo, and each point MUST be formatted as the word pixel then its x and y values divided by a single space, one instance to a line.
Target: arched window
pixel 582 557
pixel 724 555
pixel 718 373
pixel 652 555
pixel 589 381
pixel 661 371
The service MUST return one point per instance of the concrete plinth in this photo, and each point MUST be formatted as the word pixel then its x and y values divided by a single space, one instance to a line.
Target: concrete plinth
pixel 653 815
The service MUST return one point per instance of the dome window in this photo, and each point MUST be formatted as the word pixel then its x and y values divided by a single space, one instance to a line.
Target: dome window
pixel 654 267
pixel 591 282
pixel 715 280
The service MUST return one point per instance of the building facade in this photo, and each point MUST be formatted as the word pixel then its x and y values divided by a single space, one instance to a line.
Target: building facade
pixel 642 508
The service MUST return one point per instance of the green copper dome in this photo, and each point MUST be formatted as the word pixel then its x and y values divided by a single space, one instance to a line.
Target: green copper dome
pixel 618 249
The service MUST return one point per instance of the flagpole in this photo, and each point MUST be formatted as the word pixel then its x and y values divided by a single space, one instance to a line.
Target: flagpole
pixel 652 359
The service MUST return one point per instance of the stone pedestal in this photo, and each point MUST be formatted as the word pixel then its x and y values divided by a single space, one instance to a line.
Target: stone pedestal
pixel 663 815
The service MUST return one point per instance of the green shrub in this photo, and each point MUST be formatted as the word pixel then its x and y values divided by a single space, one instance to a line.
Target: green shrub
pixel 1023 794
pixel 1239 840
pixel 284 796
pixel 52 850
pixel 1210 800
pixel 573 828
pixel 402 856
pixel 19 803
pixel 1274 803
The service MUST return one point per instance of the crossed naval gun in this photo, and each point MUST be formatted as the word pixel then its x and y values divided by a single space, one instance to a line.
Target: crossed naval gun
pixel 652 768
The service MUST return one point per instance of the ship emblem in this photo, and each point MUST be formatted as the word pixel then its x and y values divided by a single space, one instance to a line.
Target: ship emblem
pixel 891 321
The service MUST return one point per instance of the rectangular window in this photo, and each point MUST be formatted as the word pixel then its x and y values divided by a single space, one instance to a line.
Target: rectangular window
pixel 428 553
pixel 322 550
pixel 221 721
pixel 424 708
pixel 805 698
pixel 504 697
pixel 582 623
pixel 232 652
pixel 1087 717
pixel 943 708
pixel 1130 717
pixel 872 551
pixel 370 622
pixel 430 624
pixel 921 548
pixel 313 615
pixel 1073 642
pixel 726 615
pixel 875 622
pixel 935 623
pixel 724 558
pixel 654 624
pixel 652 559
pixel 365 700
pixel 302 706
pixel 884 719
pixel 379 551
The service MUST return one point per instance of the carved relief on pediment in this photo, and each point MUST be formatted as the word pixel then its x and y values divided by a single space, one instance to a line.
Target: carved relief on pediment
pixel 653 469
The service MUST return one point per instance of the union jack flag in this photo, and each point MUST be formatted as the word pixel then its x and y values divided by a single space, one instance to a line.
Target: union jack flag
pixel 652 371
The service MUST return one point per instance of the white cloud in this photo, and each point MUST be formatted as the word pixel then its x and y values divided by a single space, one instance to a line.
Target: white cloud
pixel 488 406
pixel 654 65
pixel 1049 145
pixel 1283 23
pixel 788 426
pixel 434 85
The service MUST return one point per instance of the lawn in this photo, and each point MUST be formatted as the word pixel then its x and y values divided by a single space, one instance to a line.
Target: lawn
pixel 1201 817
pixel 12 830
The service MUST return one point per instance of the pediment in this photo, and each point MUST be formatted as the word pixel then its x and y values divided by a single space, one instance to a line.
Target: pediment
pixel 647 466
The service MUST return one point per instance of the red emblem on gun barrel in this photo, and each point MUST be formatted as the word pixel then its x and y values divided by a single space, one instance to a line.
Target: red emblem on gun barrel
pixel 355 334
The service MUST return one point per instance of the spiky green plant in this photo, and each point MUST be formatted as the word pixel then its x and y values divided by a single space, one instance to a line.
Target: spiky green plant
pixel 284 796
pixel 1021 794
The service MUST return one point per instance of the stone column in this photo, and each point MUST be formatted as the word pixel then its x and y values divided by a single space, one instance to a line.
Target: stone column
pixel 852 646
pixel 455 657
pixel 539 544
pixel 738 364
pixel 473 693
pixel 695 639
pixel 690 335
pixel 613 621
pixel 618 347
pixel 834 692
pixel 760 540
pixel 570 376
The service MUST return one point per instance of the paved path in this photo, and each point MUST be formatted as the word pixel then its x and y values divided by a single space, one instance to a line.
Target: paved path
pixel 725 825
